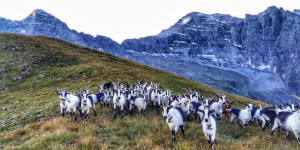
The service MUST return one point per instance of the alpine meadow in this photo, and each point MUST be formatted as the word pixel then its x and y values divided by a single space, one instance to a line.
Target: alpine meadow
pixel 32 68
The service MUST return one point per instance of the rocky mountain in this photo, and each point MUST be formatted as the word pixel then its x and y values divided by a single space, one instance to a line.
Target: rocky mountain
pixel 256 56
pixel 42 23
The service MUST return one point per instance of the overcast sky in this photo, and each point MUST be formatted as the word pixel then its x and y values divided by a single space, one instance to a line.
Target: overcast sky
pixel 125 19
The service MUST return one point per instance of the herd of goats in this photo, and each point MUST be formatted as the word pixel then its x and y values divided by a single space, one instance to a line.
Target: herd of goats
pixel 174 108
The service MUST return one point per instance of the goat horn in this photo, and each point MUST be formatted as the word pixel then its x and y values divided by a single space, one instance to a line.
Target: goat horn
pixel 65 89
pixel 190 91
pixel 185 90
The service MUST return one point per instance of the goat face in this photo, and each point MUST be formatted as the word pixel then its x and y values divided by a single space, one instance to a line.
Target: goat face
pixel 291 106
pixel 207 113
pixel 206 102
pixel 62 95
pixel 249 106
pixel 164 112
pixel 84 98
pixel 118 94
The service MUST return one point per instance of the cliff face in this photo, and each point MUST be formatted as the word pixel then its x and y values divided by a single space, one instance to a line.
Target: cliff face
pixel 263 48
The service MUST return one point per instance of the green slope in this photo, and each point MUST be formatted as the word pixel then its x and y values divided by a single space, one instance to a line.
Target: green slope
pixel 32 68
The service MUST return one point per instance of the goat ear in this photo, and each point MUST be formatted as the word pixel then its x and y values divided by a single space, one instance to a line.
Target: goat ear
pixel 57 93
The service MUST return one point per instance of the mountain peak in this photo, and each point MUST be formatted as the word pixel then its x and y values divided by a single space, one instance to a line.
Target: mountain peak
pixel 37 12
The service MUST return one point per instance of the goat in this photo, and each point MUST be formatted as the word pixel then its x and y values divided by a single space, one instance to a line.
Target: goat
pixel 205 102
pixel 97 97
pixel 87 104
pixel 290 121
pixel 175 120
pixel 195 97
pixel 291 107
pixel 118 101
pixel 241 114
pixel 227 108
pixel 73 102
pixel 267 117
pixel 195 108
pixel 62 105
pixel 209 125
pixel 185 104
pixel 255 115
pixel 155 99
pixel 139 102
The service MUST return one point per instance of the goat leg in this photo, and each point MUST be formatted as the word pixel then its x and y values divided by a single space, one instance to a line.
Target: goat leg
pixel 115 113
pixel 288 135
pixel 238 121
pixel 95 112
pixel 173 136
pixel 182 131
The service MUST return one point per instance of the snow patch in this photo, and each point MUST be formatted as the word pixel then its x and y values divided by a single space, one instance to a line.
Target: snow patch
pixel 275 69
pixel 180 42
pixel 249 63
pixel 171 48
pixel 236 45
pixel 186 20
pixel 181 34
pixel 228 40
pixel 263 67
pixel 190 28
pixel 211 57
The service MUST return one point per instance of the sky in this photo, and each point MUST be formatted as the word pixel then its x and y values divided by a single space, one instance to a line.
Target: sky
pixel 127 19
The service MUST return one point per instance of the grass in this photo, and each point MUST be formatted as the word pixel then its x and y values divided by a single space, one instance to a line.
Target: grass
pixel 32 68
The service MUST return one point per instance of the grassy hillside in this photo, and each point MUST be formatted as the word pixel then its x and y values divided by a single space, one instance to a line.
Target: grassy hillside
pixel 32 68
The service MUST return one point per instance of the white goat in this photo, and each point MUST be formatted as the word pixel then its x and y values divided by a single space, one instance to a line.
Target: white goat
pixel 241 114
pixel 185 105
pixel 195 97
pixel 140 103
pixel 119 101
pixel 209 125
pixel 73 102
pixel 175 119
pixel 62 96
pixel 290 121
pixel 155 99
pixel 87 104
pixel 217 106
